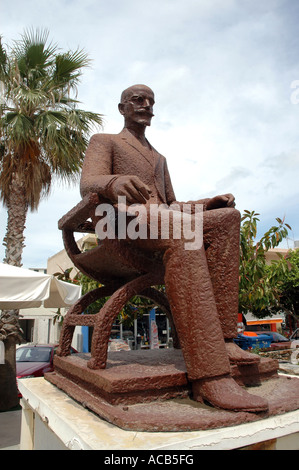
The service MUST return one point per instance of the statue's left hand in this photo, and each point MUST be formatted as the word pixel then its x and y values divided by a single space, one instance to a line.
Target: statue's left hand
pixel 225 200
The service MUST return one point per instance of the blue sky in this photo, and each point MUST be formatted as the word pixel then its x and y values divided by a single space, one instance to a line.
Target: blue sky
pixel 226 115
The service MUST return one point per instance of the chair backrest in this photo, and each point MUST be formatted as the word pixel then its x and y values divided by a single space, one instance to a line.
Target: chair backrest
pixel 110 259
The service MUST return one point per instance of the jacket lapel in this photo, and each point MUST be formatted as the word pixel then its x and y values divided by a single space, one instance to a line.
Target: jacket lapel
pixel 152 157
pixel 133 142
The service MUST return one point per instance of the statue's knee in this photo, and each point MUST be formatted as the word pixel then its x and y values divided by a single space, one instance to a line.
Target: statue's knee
pixel 229 213
pixel 235 214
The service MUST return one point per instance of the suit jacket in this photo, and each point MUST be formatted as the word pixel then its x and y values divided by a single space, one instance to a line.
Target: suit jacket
pixel 112 155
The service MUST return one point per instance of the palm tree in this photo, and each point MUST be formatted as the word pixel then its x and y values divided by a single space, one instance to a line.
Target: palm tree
pixel 43 133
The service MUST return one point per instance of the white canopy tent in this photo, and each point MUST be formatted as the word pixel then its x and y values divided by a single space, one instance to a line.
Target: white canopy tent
pixel 23 288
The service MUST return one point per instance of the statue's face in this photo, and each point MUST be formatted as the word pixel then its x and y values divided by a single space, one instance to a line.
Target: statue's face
pixel 137 105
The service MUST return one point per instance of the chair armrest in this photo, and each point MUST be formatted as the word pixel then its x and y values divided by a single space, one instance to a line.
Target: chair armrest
pixel 76 219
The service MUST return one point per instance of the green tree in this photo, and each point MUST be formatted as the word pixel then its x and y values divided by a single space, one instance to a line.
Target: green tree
pixel 289 298
pixel 260 284
pixel 43 132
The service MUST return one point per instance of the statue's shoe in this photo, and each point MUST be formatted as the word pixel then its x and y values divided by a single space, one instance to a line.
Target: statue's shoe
pixel 240 357
pixel 224 393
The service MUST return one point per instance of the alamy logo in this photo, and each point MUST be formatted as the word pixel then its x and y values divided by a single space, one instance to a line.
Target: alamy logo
pixel 154 222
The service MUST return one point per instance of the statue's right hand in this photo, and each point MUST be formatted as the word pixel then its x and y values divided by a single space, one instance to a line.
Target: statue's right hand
pixel 131 187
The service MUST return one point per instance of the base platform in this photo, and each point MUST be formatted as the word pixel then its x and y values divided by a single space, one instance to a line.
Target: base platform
pixel 149 391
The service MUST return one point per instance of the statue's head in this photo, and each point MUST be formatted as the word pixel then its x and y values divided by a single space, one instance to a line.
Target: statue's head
pixel 136 105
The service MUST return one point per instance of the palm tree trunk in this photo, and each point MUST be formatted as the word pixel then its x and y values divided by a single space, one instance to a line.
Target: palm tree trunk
pixel 17 208
pixel 14 242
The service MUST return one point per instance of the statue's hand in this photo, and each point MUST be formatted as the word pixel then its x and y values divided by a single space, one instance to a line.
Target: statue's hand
pixel 225 200
pixel 131 187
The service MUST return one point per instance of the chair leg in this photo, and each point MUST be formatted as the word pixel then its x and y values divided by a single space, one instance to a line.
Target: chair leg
pixel 107 315
pixel 76 311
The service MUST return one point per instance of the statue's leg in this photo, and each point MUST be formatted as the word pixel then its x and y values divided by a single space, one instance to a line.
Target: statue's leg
pixel 190 294
pixel 221 240
pixel 195 315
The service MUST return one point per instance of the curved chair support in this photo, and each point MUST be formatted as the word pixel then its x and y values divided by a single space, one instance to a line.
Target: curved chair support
pixel 107 315
pixel 75 316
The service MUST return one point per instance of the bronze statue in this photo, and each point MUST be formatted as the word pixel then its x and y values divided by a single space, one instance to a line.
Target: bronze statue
pixel 201 284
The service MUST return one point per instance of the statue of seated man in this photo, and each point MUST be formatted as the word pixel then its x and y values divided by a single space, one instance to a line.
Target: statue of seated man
pixel 201 284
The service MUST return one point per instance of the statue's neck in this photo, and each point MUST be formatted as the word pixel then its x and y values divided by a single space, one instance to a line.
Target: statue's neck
pixel 139 133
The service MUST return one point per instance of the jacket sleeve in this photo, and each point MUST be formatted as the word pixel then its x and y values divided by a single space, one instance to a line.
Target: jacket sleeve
pixel 97 171
pixel 169 192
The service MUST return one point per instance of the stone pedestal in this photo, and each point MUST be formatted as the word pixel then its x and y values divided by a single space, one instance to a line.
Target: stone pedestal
pixel 51 420
pixel 149 391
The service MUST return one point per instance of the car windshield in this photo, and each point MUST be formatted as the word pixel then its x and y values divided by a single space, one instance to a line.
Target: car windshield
pixel 276 337
pixel 33 354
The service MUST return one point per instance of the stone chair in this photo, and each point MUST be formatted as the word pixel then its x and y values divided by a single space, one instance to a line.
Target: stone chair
pixel 122 271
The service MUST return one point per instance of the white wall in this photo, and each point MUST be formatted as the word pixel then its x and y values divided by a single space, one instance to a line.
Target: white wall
pixel 45 331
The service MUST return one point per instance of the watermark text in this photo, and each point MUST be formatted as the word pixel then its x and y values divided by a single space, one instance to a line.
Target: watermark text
pixel 154 222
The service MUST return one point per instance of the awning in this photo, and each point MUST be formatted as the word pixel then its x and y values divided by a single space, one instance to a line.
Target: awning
pixel 252 320
pixel 24 288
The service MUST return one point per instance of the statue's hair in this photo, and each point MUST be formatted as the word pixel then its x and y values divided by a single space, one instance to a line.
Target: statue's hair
pixel 129 90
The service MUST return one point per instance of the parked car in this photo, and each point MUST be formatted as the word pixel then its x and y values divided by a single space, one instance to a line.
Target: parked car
pixel 33 360
pixel 277 340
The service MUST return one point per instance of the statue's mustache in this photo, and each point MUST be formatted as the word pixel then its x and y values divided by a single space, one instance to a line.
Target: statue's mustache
pixel 145 111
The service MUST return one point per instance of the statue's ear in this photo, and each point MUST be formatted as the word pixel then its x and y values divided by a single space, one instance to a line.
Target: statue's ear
pixel 121 108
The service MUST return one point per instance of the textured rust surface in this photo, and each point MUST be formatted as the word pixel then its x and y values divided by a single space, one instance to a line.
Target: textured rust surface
pixel 140 376
pixel 128 378
pixel 150 392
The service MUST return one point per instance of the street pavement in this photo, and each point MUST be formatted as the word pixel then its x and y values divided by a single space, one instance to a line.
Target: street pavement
pixel 10 429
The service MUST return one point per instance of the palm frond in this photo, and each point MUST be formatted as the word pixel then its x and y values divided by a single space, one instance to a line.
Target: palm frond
pixel 66 150
pixel 3 61
pixel 33 46
pixel 68 68
pixel 18 128
pixel 84 121
pixel 46 120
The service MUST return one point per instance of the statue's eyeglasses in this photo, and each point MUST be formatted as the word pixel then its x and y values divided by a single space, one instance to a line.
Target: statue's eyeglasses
pixel 139 99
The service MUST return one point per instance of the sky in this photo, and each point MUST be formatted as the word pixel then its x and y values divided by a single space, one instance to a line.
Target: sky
pixel 226 79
